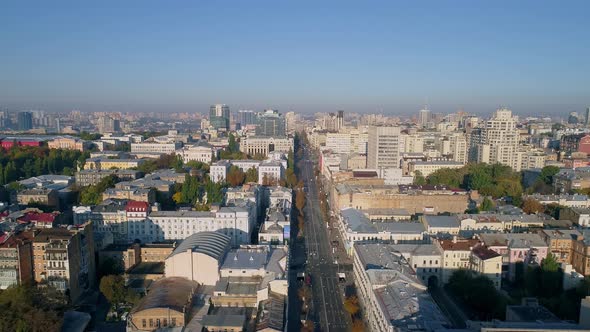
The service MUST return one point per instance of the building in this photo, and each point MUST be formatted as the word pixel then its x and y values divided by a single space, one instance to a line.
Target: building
pixel 203 153
pixel 581 253
pixel 108 124
pixel 339 143
pixel 132 193
pixel 65 259
pixel 235 222
pixel 270 173
pixel 561 243
pixel 246 118
pixel 428 167
pixel 517 249
pixel 68 143
pixel 199 257
pixel 262 146
pixel 355 227
pixel 392 297
pixel 497 141
pixel 219 116
pixel 455 255
pixel 169 303
pixel 487 262
pixel 90 177
pixel 106 163
pixel 383 147
pixel 127 256
pixel 571 201
pixel 42 196
pixel 424 117
pixel 270 123
pixel 414 199
pixel 24 121
pixel 16 259
pixel 436 224
pixel 155 147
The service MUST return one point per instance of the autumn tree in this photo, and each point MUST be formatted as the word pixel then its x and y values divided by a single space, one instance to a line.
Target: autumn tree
pixel 351 305
pixel 235 176
pixel 300 200
pixel 531 205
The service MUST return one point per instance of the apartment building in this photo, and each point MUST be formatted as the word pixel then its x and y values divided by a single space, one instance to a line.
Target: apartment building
pixel 561 243
pixel 16 259
pixel 42 196
pixel 497 140
pixel 392 297
pixel 132 193
pixel 487 262
pixel 65 258
pixel 581 253
pixel 90 177
pixel 456 255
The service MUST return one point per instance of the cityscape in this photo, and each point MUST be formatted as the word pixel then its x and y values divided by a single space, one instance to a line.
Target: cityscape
pixel 312 196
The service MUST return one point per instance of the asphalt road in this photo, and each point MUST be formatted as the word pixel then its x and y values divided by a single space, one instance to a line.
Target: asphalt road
pixel 327 296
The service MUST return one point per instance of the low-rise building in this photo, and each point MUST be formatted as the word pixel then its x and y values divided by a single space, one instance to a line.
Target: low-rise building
pixel 498 222
pixel 428 167
pixel 131 193
pixel 456 255
pixel 488 263
pixel 580 216
pixel 270 173
pixel 561 243
pixel 155 147
pixel 105 163
pixel 441 224
pixel 572 201
pixel 581 253
pixel 199 257
pixel 90 177
pixel 203 153
pixel 68 143
pixel 254 145
pixel 41 196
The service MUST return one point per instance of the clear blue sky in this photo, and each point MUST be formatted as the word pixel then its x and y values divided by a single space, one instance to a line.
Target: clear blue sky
pixel 362 56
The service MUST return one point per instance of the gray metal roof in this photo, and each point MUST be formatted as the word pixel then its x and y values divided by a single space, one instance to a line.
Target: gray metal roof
pixel 245 259
pixel 213 244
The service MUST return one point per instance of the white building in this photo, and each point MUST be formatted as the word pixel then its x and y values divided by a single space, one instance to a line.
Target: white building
pixel 428 167
pixel 270 172
pixel 200 153
pixel 155 147
pixel 383 147
pixel 263 145
pixel 497 141
pixel 235 222
pixel 339 143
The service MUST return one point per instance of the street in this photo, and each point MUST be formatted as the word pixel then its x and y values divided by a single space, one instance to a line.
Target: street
pixel 327 299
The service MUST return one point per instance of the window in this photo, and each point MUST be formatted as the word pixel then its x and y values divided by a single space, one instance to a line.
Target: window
pixel 143 323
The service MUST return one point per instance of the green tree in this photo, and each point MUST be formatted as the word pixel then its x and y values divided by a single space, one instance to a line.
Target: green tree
pixel 486 204
pixel 113 288
pixel 252 175
pixel 547 174
pixel 419 179
pixel 233 146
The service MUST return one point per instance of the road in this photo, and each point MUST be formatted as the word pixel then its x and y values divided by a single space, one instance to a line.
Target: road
pixel 327 295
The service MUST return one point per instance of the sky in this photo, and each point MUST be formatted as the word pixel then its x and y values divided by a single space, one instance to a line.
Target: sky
pixel 389 57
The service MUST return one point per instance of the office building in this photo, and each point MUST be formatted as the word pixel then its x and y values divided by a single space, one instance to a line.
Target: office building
pixel 246 117
pixel 24 121
pixel 262 146
pixel 383 147
pixel 270 123
pixel 219 116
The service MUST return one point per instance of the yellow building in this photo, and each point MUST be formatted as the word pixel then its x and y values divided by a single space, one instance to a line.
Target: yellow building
pixel 68 143
pixel 105 163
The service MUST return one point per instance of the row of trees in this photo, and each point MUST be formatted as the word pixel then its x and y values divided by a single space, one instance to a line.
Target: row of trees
pixel 21 162
pixel 31 308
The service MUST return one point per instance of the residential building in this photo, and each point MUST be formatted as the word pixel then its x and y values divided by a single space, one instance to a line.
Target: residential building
pixel 517 249
pixel 487 262
pixel 270 173
pixel 68 143
pixel 436 224
pixel 581 253
pixel 198 258
pixel 16 259
pixel 65 259
pixel 497 141
pixel 424 117
pixel 571 201
pixel 339 143
pixel 383 147
pixel 131 193
pixel 127 256
pixel 42 196
pixel 108 124
pixel 561 243
pixel 392 297
pixel 456 255
pixel 24 121
pixel 90 177
pixel 580 216
pixel 425 259
pixel 428 167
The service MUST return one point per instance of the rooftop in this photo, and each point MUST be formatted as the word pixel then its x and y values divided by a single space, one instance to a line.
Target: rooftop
pixel 244 259
pixel 169 293
pixel 212 244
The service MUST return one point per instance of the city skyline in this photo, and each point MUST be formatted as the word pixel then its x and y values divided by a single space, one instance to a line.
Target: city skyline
pixel 308 58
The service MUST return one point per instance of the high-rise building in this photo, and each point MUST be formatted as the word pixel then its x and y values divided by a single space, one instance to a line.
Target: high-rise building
pixel 246 117
pixel 270 123
pixel 25 121
pixel 340 120
pixel 383 147
pixel 424 116
pixel 497 140
pixel 219 116
pixel 108 124
pixel 587 119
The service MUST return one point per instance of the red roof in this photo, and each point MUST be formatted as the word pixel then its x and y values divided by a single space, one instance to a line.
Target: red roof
pixel 136 206
pixel 35 217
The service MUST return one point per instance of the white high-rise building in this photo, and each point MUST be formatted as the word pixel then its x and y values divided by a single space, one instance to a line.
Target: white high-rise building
pixel 383 147
pixel 497 141
pixel 424 116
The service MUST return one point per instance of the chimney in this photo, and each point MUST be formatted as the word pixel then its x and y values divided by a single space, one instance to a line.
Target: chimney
pixel 454 238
